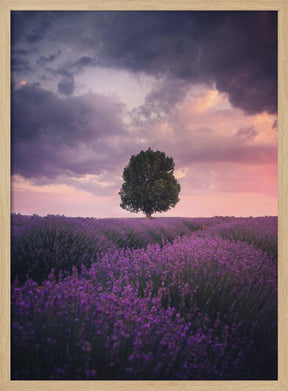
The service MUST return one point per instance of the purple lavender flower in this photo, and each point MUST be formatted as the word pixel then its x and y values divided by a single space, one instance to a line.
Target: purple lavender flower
pixel 192 305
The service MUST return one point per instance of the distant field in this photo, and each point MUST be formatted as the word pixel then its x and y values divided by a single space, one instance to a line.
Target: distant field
pixel 166 299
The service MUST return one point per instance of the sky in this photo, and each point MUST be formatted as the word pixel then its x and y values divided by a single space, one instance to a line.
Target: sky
pixel 90 89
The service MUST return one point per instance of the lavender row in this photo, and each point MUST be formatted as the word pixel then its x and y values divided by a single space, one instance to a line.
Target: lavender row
pixel 40 244
pixel 262 232
pixel 197 308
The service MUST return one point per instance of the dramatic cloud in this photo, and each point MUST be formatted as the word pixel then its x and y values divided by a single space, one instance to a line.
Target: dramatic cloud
pixel 52 136
pixel 224 48
pixel 31 26
pixel 56 137
pixel 66 86
pixel 236 50
pixel 20 64
pixel 89 89
pixel 43 61
pixel 39 31
pixel 205 128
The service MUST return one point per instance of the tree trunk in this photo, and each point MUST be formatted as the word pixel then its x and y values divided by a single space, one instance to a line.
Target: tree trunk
pixel 148 216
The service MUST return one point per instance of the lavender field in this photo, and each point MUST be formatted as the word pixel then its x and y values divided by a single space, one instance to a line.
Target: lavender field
pixel 167 299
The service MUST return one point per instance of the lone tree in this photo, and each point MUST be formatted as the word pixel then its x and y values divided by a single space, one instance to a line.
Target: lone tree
pixel 149 183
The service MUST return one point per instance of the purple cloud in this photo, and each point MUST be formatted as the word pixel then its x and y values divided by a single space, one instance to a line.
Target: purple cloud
pixel 235 50
pixel 54 136
pixel 246 134
pixel 66 86
pixel 44 60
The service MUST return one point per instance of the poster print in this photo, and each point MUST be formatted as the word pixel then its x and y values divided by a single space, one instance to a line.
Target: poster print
pixel 190 293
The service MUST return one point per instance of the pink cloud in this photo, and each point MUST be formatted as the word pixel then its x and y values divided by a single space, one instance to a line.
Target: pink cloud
pixel 226 162
pixel 59 199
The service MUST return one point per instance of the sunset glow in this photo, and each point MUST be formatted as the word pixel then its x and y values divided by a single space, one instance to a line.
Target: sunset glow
pixel 91 89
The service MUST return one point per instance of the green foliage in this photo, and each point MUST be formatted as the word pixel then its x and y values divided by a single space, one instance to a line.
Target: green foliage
pixel 149 183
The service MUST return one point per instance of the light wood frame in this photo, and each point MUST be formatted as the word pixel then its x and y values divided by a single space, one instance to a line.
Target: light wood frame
pixel 9 5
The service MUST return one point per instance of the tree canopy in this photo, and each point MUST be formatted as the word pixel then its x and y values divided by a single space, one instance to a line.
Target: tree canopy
pixel 149 183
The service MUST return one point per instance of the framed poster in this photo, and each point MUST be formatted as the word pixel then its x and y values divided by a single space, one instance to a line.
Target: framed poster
pixel 164 108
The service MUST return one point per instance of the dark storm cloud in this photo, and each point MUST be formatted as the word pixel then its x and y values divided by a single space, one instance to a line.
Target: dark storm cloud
pixel 20 59
pixel 66 86
pixel 43 61
pixel 21 52
pixel 234 50
pixel 28 28
pixel 31 26
pixel 83 62
pixel 20 64
pixel 38 29
pixel 20 21
pixel 67 71
pixel 54 136
pixel 39 32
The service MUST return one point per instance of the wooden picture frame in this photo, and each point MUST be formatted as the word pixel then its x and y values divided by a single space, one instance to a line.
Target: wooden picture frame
pixel 278 5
